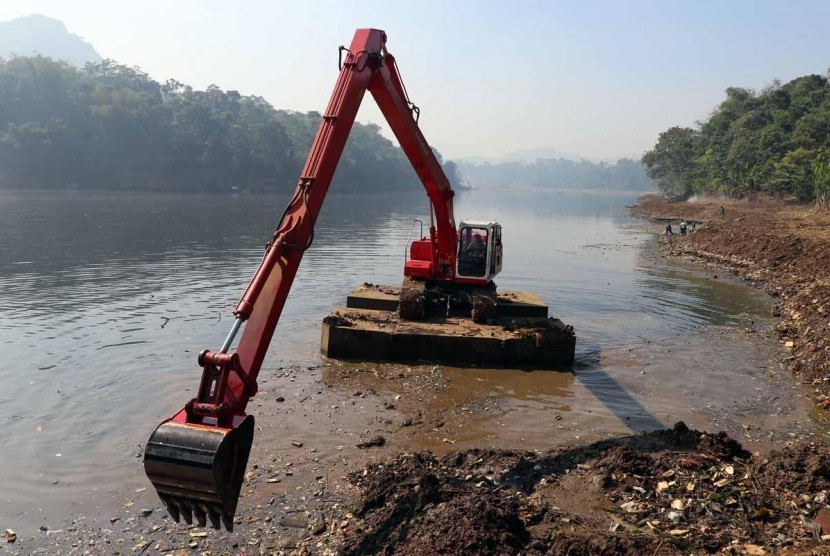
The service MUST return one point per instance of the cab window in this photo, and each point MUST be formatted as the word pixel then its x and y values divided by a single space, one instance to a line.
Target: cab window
pixel 472 252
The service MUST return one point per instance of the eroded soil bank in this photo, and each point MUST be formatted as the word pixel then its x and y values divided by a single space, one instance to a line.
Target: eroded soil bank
pixel 779 246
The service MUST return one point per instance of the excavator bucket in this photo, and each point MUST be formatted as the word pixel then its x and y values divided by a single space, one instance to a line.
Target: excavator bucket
pixel 198 470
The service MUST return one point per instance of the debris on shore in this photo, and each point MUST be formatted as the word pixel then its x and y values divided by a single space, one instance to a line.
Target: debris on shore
pixel 665 492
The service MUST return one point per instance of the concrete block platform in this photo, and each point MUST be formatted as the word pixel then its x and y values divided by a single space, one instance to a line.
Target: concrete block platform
pixel 510 304
pixel 370 329
pixel 376 298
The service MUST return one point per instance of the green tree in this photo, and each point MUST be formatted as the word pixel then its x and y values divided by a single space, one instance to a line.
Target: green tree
pixel 821 178
pixel 795 174
pixel 671 163
pixel 112 126
pixel 752 142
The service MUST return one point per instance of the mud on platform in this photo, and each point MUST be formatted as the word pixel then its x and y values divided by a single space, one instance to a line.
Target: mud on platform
pixel 509 304
pixel 522 335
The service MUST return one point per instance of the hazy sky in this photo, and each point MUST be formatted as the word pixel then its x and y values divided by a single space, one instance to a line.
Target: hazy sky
pixel 600 79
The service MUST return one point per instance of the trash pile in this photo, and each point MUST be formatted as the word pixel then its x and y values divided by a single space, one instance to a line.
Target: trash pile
pixel 716 501
pixel 658 493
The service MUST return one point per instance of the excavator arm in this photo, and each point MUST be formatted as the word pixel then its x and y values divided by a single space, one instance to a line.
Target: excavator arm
pixel 196 460
pixel 388 90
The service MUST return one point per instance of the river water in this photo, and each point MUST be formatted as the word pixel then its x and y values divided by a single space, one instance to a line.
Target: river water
pixel 106 298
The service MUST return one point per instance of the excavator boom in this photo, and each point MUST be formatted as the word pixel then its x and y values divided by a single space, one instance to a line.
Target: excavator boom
pixel 196 459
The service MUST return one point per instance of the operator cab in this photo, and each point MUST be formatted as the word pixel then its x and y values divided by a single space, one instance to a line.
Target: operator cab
pixel 479 254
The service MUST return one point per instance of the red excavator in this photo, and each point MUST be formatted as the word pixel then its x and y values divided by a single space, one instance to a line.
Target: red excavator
pixel 197 459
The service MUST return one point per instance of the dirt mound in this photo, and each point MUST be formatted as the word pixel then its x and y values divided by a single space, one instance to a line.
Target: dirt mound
pixel 417 504
pixel 799 469
pixel 585 544
pixel 719 445
pixel 660 492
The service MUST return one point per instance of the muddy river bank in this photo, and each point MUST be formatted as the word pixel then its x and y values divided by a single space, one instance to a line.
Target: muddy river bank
pixel 309 486
pixel 776 245
pixel 510 461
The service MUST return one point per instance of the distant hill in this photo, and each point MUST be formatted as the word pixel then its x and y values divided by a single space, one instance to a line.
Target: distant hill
pixel 40 35
pixel 558 173
pixel 108 126
pixel 524 155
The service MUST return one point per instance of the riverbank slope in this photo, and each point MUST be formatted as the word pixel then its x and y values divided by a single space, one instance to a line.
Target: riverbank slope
pixel 777 245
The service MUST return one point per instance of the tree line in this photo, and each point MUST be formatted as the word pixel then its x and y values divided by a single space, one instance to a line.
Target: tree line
pixel 109 126
pixel 775 141
pixel 559 173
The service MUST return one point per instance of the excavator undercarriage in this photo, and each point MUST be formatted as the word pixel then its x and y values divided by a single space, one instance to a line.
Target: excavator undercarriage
pixel 425 300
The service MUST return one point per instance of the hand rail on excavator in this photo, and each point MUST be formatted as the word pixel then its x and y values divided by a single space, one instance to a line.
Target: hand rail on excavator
pixel 196 459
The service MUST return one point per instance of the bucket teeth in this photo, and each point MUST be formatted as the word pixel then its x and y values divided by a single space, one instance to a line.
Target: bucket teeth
pixel 201 515
pixel 227 520
pixel 199 470
pixel 185 510
pixel 215 518
pixel 172 509
pixel 187 513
